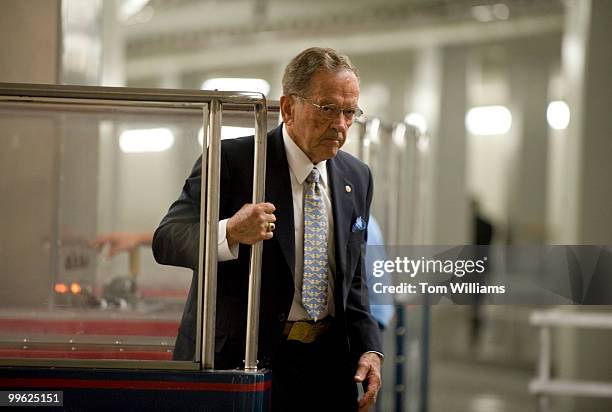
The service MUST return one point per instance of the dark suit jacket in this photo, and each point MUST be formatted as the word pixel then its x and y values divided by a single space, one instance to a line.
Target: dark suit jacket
pixel 176 243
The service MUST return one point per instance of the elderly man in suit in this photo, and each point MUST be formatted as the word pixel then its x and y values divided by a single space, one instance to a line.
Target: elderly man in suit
pixel 316 333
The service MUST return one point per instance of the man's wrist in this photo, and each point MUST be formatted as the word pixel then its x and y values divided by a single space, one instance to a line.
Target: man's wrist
pixel 231 241
pixel 379 354
pixel 225 250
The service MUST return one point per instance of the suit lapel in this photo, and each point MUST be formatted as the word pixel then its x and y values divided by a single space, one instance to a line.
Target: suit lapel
pixel 342 211
pixel 278 192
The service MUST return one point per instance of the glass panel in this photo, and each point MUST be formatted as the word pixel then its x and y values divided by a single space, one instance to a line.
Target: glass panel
pixel 68 175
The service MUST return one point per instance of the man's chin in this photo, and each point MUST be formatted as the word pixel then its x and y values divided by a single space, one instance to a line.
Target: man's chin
pixel 329 153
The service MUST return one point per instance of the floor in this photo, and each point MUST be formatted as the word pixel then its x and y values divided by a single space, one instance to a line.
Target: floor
pixel 464 386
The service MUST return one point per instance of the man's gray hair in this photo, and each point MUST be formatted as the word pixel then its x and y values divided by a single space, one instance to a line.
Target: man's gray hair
pixel 302 68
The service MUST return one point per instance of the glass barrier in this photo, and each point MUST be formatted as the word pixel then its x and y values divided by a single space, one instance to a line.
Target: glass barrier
pixel 396 154
pixel 83 187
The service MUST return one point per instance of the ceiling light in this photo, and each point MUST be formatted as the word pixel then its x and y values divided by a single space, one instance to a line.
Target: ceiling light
pixel 558 115
pixel 500 11
pixel 130 8
pixel 483 13
pixel 488 120
pixel 146 140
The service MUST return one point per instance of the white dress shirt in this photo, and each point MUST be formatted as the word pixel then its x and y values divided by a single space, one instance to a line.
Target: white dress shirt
pixel 300 167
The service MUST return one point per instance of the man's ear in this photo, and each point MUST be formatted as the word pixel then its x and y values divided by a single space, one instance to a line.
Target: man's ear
pixel 286 106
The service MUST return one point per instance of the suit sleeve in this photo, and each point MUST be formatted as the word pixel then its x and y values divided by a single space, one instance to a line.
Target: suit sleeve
pixel 364 334
pixel 176 240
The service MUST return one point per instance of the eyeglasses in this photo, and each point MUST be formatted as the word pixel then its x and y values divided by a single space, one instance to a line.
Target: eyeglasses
pixel 331 111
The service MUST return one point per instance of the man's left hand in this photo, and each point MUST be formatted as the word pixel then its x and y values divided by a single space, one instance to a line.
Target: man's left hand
pixel 368 371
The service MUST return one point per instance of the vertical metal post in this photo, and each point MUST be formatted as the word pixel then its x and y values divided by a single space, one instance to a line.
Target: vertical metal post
pixel 361 136
pixel 371 137
pixel 396 186
pixel 56 223
pixel 420 160
pixel 401 330
pixel 259 191
pixel 400 358
pixel 544 361
pixel 415 195
pixel 544 366
pixel 425 356
pixel 383 162
pixel 201 246
pixel 211 228
pixel 134 263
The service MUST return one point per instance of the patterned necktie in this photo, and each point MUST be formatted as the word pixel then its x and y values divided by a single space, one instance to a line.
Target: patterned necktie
pixel 314 283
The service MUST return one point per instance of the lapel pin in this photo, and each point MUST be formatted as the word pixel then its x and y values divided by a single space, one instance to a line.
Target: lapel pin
pixel 347 188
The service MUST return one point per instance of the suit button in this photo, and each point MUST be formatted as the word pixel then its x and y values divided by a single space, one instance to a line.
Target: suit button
pixel 282 317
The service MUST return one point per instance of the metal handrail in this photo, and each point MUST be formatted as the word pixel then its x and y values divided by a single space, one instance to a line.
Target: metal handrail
pixel 543 384
pixel 400 136
pixel 211 103
pixel 25 91
pixel 259 179
pixel 208 254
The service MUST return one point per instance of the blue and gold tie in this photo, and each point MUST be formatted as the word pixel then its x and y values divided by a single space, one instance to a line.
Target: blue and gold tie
pixel 314 283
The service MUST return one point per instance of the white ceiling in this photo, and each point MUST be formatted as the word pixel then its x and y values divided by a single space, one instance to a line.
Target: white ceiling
pixel 203 34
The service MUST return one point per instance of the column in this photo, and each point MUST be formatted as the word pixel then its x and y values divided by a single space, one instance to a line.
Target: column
pixel 587 58
pixel 30 41
pixel 29 51
pixel 529 79
pixel 587 206
pixel 440 95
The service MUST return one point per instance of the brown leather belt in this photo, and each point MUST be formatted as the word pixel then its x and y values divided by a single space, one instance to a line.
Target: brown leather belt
pixel 306 331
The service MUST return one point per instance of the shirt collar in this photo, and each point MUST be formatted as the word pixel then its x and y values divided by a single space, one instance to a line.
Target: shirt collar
pixel 299 163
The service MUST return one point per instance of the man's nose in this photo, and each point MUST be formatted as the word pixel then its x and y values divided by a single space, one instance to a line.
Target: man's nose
pixel 340 124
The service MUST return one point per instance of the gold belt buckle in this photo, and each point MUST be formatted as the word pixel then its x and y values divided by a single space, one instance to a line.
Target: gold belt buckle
pixel 307 332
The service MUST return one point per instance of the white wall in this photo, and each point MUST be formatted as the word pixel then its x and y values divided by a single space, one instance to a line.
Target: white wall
pixel 29 41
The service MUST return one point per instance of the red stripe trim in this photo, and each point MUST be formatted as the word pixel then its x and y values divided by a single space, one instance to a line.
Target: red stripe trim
pixel 129 384
pixel 91 327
